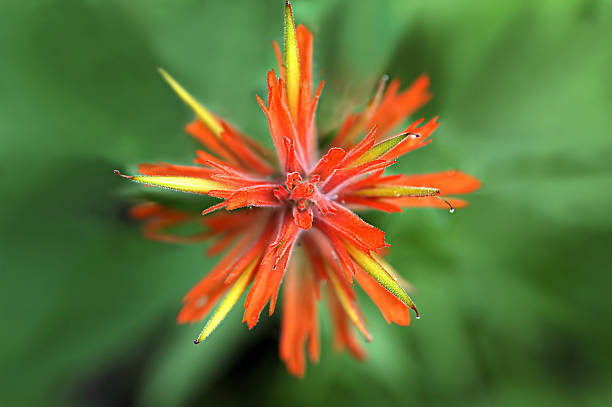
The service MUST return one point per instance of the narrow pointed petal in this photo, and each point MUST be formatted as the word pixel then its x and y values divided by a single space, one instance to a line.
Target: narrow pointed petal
pixel 343 337
pixel 391 191
pixel 420 138
pixel 391 307
pixel 352 227
pixel 449 182
pixel 381 148
pixel 406 285
pixel 165 169
pixel 395 107
pixel 200 111
pixel 348 305
pixel 292 66
pixel 228 302
pixel 429 202
pixel 378 273
pixel 184 184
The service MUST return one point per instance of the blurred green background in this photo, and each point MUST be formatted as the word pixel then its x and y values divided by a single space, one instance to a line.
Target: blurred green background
pixel 514 290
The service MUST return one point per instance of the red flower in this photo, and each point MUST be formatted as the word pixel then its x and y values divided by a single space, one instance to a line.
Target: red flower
pixel 292 216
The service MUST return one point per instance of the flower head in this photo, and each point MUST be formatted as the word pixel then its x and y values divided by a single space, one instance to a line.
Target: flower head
pixel 289 215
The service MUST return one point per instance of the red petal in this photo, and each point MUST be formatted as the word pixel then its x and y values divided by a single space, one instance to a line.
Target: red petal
pixel 412 143
pixel 355 229
pixel 271 271
pixel 394 109
pixel 164 169
pixel 360 202
pixel 196 306
pixel 252 196
pixel 299 321
pixel 199 130
pixel 242 150
pixel 343 336
pixel 329 162
pixel 426 202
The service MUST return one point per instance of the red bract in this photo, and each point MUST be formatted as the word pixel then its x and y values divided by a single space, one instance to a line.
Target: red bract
pixel 290 215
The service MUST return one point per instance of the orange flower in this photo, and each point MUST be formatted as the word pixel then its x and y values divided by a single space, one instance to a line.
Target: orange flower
pixel 271 201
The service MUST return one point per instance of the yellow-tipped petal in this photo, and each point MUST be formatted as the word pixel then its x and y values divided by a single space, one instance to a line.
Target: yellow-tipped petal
pixel 228 302
pixel 292 66
pixel 348 306
pixel 405 284
pixel 394 191
pixel 200 111
pixel 184 184
pixel 380 274
pixel 379 149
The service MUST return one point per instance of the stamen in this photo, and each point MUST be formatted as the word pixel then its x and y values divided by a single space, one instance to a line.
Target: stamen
pixel 451 210
pixel 117 172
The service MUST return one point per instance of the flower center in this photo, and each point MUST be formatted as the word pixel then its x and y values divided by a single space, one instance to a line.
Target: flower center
pixel 302 196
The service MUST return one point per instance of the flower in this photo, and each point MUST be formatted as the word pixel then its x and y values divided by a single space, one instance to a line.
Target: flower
pixel 290 215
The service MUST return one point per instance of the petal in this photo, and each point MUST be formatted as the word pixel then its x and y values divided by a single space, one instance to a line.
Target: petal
pixel 175 170
pixel 340 288
pixel 448 182
pixel 381 148
pixel 258 195
pixel 428 202
pixel 292 66
pixel 356 203
pixel 392 309
pixel 378 273
pixel 208 118
pixel 352 227
pixel 395 108
pixel 271 270
pixel 237 144
pixel 184 184
pixel 299 320
pixel 343 336
pixel 396 191
pixel 228 302
pixel 329 162
pixel 411 143
pixel 196 307
pixel 210 140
